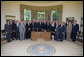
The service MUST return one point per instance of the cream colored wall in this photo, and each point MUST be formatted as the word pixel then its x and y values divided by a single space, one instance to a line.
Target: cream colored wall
pixel 9 8
pixel 74 9
pixel 70 9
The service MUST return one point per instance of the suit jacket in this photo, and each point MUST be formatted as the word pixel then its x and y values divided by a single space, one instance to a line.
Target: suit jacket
pixel 45 26
pixel 52 28
pixel 22 28
pixel 55 24
pixel 11 23
pixel 31 26
pixel 57 28
pixel 8 28
pixel 27 27
pixel 39 25
pixel 62 29
pixel 14 27
pixel 66 24
pixel 48 27
pixel 35 26
pixel 42 24
pixel 75 28
pixel 17 28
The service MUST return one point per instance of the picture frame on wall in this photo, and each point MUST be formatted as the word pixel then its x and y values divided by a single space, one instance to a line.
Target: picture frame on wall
pixel 70 19
pixel 8 17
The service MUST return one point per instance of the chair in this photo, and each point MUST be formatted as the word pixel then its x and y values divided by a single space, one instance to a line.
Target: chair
pixel 79 36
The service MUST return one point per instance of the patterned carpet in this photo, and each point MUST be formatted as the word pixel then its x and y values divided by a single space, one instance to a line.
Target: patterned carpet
pixel 41 50
pixel 30 48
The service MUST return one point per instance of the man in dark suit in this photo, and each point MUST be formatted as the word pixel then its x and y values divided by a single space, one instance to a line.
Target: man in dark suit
pixel 14 30
pixel 17 30
pixel 75 28
pixel 52 29
pixel 35 25
pixel 27 30
pixel 55 24
pixel 8 30
pixel 57 29
pixel 48 26
pixel 39 25
pixel 11 24
pixel 64 30
pixel 42 24
pixel 45 26
pixel 61 31
pixel 31 28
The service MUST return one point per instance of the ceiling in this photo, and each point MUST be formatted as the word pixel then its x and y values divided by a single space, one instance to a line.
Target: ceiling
pixel 46 3
pixel 41 3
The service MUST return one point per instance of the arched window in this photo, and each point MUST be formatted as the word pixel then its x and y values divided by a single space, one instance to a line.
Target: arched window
pixel 54 15
pixel 27 15
pixel 41 15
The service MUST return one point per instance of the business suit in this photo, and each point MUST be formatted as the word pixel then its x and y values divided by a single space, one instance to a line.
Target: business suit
pixel 61 32
pixel 55 24
pixel 39 25
pixel 22 31
pixel 42 24
pixel 48 27
pixel 52 30
pixel 45 26
pixel 8 30
pixel 17 31
pixel 14 30
pixel 66 31
pixel 11 24
pixel 57 28
pixel 28 30
pixel 75 28
pixel 31 28
pixel 35 26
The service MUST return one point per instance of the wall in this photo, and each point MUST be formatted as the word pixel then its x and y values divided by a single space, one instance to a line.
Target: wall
pixel 9 8
pixel 70 9
pixel 74 9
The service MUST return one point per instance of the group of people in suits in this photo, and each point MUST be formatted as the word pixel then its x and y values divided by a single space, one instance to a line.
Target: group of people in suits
pixel 22 29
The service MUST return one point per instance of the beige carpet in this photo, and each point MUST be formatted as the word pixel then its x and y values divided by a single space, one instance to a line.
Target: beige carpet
pixel 19 48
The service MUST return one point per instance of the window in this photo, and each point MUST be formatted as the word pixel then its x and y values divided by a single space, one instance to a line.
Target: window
pixel 41 15
pixel 54 15
pixel 27 15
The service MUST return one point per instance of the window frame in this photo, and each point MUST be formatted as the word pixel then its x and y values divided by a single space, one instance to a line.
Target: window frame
pixel 24 15
pixel 52 14
pixel 43 11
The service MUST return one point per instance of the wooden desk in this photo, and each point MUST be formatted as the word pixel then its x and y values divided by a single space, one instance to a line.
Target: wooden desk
pixel 41 35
